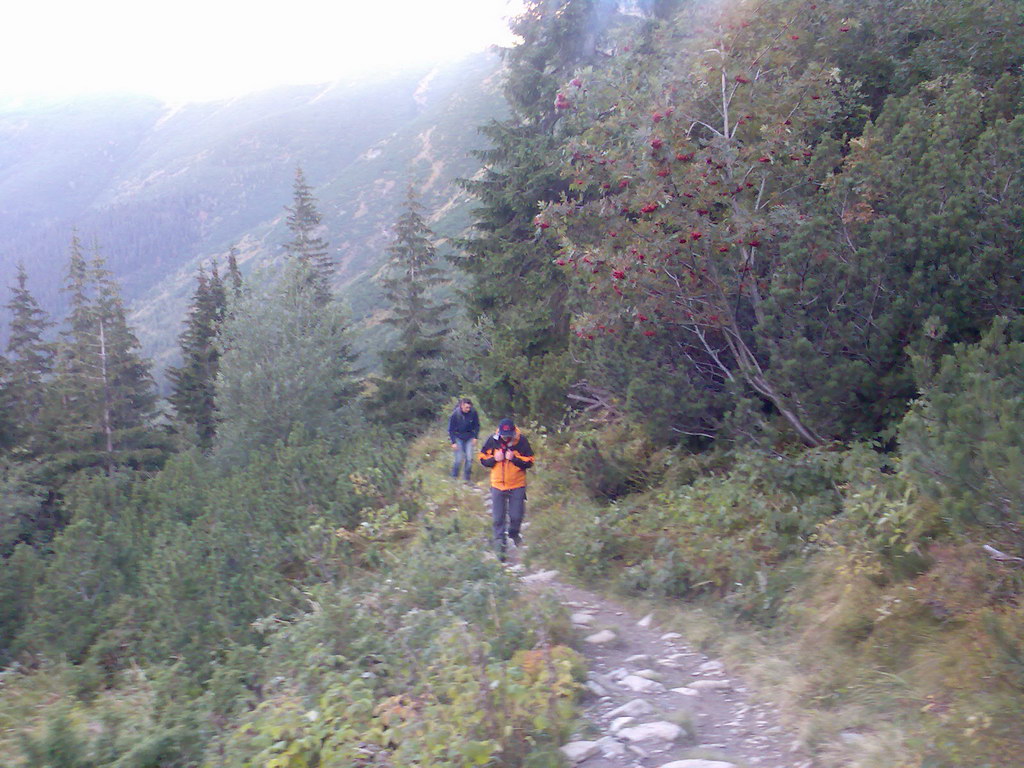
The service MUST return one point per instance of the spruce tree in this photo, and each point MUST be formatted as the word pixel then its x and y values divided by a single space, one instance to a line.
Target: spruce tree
pixel 415 379
pixel 103 394
pixel 307 246
pixel 513 276
pixel 193 382
pixel 234 278
pixel 30 357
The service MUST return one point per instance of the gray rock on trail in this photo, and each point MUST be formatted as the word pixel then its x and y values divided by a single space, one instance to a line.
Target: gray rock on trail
pixel 634 708
pixel 671 636
pixel 641 684
pixel 611 748
pixel 603 637
pixel 581 618
pixel 711 668
pixel 540 577
pixel 697 764
pixel 621 722
pixel 661 730
pixel 650 674
pixel 578 751
pixel 646 621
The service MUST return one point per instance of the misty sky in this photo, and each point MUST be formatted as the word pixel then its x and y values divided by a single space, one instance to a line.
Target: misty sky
pixel 187 50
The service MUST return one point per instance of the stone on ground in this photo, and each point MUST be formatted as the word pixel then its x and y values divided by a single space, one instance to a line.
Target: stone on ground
pixel 578 751
pixel 634 708
pixel 603 637
pixel 697 764
pixel 611 748
pixel 659 731
pixel 641 684
pixel 621 722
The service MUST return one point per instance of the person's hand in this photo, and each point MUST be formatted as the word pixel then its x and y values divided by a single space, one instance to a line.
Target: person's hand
pixel 455 445
pixel 499 455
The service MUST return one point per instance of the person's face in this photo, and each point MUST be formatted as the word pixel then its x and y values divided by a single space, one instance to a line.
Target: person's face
pixel 467 407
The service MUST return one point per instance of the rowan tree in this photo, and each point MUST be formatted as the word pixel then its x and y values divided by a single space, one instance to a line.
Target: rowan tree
pixel 689 172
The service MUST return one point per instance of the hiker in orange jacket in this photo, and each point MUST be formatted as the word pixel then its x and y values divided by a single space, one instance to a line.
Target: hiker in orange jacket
pixel 507 453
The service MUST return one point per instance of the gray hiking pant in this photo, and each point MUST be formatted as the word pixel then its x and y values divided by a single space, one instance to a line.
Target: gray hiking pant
pixel 507 505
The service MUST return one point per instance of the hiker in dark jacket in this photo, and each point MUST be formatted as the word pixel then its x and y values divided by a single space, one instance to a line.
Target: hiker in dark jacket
pixel 507 453
pixel 463 431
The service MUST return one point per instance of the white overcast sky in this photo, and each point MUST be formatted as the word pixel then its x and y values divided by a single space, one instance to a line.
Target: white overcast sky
pixel 188 50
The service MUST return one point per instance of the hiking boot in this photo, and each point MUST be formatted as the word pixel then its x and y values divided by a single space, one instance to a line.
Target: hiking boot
pixel 516 539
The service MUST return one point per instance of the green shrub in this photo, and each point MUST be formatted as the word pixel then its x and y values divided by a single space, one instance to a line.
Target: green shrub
pixel 963 440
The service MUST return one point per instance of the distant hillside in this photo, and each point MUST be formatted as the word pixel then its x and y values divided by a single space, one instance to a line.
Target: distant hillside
pixel 161 190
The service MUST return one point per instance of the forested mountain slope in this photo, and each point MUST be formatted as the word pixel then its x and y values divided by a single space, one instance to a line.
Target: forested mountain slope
pixel 161 189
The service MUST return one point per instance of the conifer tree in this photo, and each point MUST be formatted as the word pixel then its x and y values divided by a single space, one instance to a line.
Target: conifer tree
pixel 103 393
pixel 512 272
pixel 286 366
pixel 9 431
pixel 307 246
pixel 30 356
pixel 234 278
pixel 415 379
pixel 193 382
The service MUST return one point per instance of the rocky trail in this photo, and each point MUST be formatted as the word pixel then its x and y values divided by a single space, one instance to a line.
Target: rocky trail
pixel 653 702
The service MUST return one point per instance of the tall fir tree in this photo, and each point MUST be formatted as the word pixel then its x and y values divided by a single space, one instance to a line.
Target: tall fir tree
pixel 234 277
pixel 30 359
pixel 513 278
pixel 193 383
pixel 103 395
pixel 307 245
pixel 415 378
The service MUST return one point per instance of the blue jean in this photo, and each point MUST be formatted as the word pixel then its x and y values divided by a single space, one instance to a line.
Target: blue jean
pixel 510 504
pixel 464 455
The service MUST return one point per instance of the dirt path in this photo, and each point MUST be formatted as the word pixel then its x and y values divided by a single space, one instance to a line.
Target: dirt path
pixel 653 702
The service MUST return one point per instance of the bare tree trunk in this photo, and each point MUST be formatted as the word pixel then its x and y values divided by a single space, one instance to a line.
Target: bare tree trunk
pixel 108 431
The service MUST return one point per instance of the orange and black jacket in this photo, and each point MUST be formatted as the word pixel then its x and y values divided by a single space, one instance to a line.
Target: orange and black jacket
pixel 506 475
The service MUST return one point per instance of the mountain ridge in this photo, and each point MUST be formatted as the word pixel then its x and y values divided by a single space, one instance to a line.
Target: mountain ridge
pixel 163 188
